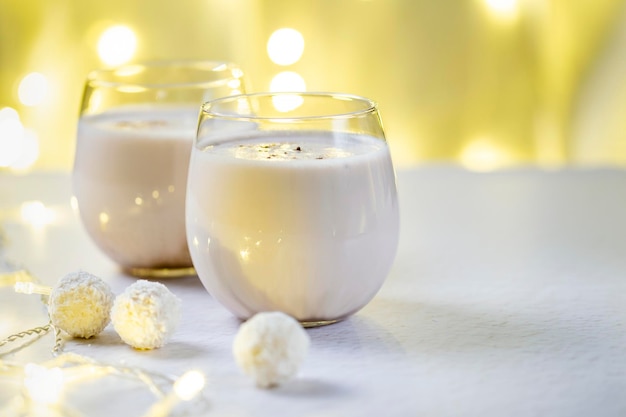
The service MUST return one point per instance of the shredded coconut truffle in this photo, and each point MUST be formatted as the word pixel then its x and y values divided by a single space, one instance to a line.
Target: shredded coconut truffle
pixel 270 348
pixel 80 304
pixel 146 314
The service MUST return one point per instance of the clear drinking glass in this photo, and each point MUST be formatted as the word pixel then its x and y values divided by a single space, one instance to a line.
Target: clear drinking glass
pixel 292 204
pixel 134 138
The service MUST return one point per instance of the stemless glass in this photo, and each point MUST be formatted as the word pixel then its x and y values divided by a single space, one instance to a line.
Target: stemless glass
pixel 292 204
pixel 134 138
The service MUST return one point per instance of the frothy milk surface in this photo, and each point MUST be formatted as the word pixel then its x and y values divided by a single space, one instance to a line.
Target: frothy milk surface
pixel 129 179
pixel 304 222
pixel 286 147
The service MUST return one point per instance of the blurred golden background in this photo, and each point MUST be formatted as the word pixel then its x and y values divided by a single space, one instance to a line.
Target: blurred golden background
pixel 483 83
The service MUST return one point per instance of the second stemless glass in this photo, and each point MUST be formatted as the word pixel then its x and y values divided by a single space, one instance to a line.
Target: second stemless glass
pixel 135 133
pixel 292 204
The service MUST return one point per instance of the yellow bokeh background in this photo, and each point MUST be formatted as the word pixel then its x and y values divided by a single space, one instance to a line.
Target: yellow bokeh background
pixel 486 84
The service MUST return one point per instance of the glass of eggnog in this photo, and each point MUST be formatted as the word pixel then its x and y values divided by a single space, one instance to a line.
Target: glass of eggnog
pixel 292 204
pixel 135 133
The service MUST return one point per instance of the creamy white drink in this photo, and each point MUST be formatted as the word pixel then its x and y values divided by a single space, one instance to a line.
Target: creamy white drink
pixel 301 222
pixel 129 180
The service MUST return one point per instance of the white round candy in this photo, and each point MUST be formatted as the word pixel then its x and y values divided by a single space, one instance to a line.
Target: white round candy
pixel 146 314
pixel 270 348
pixel 80 304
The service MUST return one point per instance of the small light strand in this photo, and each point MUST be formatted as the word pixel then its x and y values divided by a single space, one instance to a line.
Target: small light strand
pixel 40 331
pixel 8 279
pixel 58 341
pixel 31 288
pixel 77 368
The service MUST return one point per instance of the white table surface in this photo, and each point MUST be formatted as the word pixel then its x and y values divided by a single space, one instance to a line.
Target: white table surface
pixel 507 298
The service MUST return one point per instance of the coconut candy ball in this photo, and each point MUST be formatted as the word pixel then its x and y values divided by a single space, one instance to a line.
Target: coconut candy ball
pixel 270 347
pixel 80 304
pixel 146 314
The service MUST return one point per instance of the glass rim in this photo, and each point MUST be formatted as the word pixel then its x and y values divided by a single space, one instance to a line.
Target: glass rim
pixel 370 106
pixel 97 77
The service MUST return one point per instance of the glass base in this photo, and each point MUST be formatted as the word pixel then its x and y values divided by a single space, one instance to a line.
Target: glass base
pixel 309 324
pixel 161 272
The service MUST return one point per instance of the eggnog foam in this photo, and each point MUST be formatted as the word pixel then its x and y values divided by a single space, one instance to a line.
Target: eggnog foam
pixel 157 122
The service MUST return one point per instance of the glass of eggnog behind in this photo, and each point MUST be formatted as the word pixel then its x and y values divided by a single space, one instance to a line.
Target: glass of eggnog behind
pixel 292 204
pixel 135 133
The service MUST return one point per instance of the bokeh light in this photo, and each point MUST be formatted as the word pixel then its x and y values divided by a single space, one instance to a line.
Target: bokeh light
pixel 502 9
pixel 33 89
pixel 29 151
pixel 11 134
pixel 43 385
pixel 189 385
pixel 19 147
pixel 117 45
pixel 285 46
pixel 484 154
pixel 9 113
pixel 287 81
pixel 36 214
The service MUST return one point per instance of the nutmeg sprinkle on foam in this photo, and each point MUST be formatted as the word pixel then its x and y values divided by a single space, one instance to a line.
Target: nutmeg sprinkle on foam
pixel 285 151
